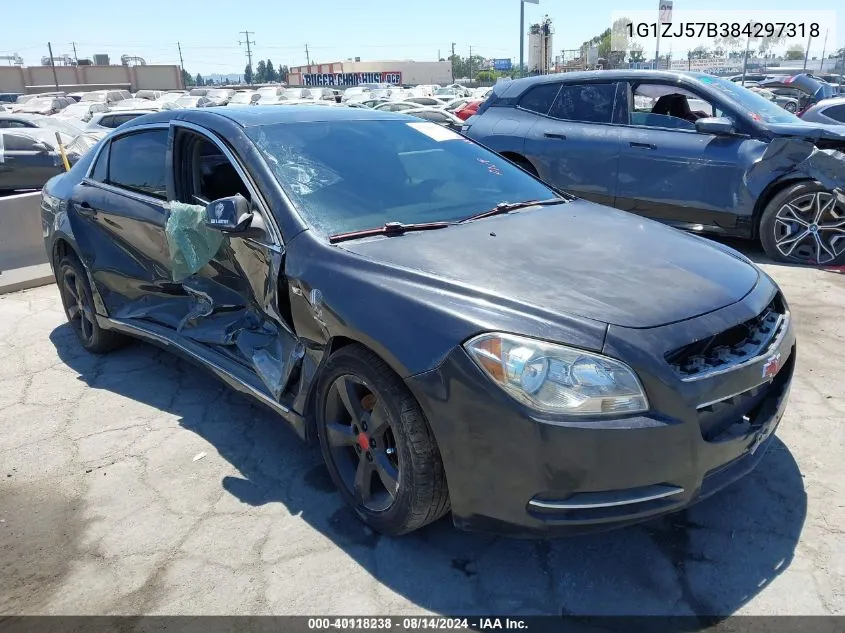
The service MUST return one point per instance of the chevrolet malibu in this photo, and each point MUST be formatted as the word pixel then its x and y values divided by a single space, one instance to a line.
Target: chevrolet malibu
pixel 457 336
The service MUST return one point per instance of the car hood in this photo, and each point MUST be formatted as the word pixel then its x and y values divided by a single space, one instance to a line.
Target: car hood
pixel 579 259
pixel 808 130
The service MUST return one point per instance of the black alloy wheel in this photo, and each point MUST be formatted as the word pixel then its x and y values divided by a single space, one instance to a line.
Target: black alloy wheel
pixel 78 303
pixel 78 308
pixel 377 445
pixel 362 443
pixel 805 224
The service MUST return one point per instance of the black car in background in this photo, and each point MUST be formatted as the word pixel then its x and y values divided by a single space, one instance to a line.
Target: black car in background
pixel 29 157
pixel 692 150
pixel 455 333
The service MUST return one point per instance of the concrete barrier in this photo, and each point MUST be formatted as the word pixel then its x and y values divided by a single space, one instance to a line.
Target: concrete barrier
pixel 23 261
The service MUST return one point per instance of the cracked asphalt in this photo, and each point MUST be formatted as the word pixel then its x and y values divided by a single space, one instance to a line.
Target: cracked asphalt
pixel 136 483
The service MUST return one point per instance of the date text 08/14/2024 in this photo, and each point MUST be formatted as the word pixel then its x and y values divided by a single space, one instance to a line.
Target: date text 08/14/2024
pixel 722 29
pixel 415 623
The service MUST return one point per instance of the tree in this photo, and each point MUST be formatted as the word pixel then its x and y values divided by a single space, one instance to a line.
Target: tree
pixel 187 80
pixel 261 72
pixel 248 74
pixel 635 55
pixel 699 52
pixel 283 73
pixel 485 76
pixel 796 51
pixel 270 72
pixel 199 80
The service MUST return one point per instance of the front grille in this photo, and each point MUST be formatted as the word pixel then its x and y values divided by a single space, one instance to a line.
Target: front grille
pixel 733 346
pixel 737 415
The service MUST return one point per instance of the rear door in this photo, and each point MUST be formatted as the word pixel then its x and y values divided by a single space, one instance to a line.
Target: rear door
pixel 575 145
pixel 118 213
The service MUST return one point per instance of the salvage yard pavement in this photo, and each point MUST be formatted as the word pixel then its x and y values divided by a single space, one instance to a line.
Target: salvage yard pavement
pixel 136 483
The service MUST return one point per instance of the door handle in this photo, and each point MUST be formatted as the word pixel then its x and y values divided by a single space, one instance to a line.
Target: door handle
pixel 560 137
pixel 642 145
pixel 85 210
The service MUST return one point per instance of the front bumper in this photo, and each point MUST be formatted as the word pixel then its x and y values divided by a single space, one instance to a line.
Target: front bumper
pixel 512 471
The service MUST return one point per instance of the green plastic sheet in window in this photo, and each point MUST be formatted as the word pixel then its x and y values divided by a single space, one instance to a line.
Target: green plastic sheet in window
pixel 192 244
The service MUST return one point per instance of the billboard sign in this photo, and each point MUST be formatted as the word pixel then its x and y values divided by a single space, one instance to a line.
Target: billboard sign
pixel 351 79
pixel 502 64
pixel 665 11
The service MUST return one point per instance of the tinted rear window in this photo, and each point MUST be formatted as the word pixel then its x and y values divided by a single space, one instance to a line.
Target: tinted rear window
pixel 837 113
pixel 540 99
pixel 590 103
pixel 137 162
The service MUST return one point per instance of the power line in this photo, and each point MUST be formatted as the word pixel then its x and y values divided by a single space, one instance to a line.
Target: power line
pixel 248 50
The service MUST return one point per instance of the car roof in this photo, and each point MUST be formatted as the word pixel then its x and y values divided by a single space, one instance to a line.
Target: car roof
pixel 251 116
pixel 518 86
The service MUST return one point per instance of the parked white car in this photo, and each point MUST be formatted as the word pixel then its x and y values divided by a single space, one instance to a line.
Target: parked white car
pixel 244 98
pixel 82 111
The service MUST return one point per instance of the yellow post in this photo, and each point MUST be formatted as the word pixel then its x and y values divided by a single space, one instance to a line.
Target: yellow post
pixel 62 152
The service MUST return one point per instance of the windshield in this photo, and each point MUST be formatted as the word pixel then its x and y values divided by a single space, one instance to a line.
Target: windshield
pixel 169 98
pixel 241 97
pixel 217 94
pixel 187 101
pixel 416 171
pixel 297 93
pixel 75 110
pixel 94 96
pixel 754 104
pixel 62 125
pixel 269 92
pixel 38 103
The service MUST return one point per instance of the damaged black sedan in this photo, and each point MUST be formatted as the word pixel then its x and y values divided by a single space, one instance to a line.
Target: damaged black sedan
pixel 456 334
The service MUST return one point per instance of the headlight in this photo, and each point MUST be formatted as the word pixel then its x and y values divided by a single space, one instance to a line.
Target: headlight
pixel 558 379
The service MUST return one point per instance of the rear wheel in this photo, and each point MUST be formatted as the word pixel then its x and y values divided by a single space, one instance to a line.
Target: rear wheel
pixel 377 445
pixel 805 224
pixel 78 303
pixel 790 106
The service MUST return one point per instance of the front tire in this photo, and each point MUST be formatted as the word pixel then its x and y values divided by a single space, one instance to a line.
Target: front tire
pixel 377 445
pixel 78 303
pixel 804 224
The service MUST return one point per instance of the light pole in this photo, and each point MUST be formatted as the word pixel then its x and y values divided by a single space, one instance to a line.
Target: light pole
pixel 747 48
pixel 522 33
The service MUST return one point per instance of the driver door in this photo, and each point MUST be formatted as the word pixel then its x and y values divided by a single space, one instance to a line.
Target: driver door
pixel 670 172
pixel 232 304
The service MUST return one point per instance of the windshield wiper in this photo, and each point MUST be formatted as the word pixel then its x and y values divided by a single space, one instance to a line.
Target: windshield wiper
pixel 389 229
pixel 507 207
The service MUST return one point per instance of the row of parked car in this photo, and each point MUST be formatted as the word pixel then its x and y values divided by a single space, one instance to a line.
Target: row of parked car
pixel 33 126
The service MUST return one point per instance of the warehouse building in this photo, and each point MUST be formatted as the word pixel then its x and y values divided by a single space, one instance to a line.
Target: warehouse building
pixel 353 72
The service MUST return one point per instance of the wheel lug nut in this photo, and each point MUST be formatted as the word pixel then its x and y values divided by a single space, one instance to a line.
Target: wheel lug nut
pixel 390 451
pixel 372 443
pixel 364 426
pixel 369 456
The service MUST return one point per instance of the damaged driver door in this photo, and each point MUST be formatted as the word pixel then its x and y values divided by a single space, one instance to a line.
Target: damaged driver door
pixel 230 274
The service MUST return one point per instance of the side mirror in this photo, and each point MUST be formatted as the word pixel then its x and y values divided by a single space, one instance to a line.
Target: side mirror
pixel 233 216
pixel 228 215
pixel 717 125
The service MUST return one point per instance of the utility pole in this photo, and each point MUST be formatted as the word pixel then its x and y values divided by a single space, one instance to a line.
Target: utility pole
pixel 824 50
pixel 521 37
pixel 53 66
pixel 452 59
pixel 470 64
pixel 807 52
pixel 246 34
pixel 308 58
pixel 181 64
pixel 75 58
